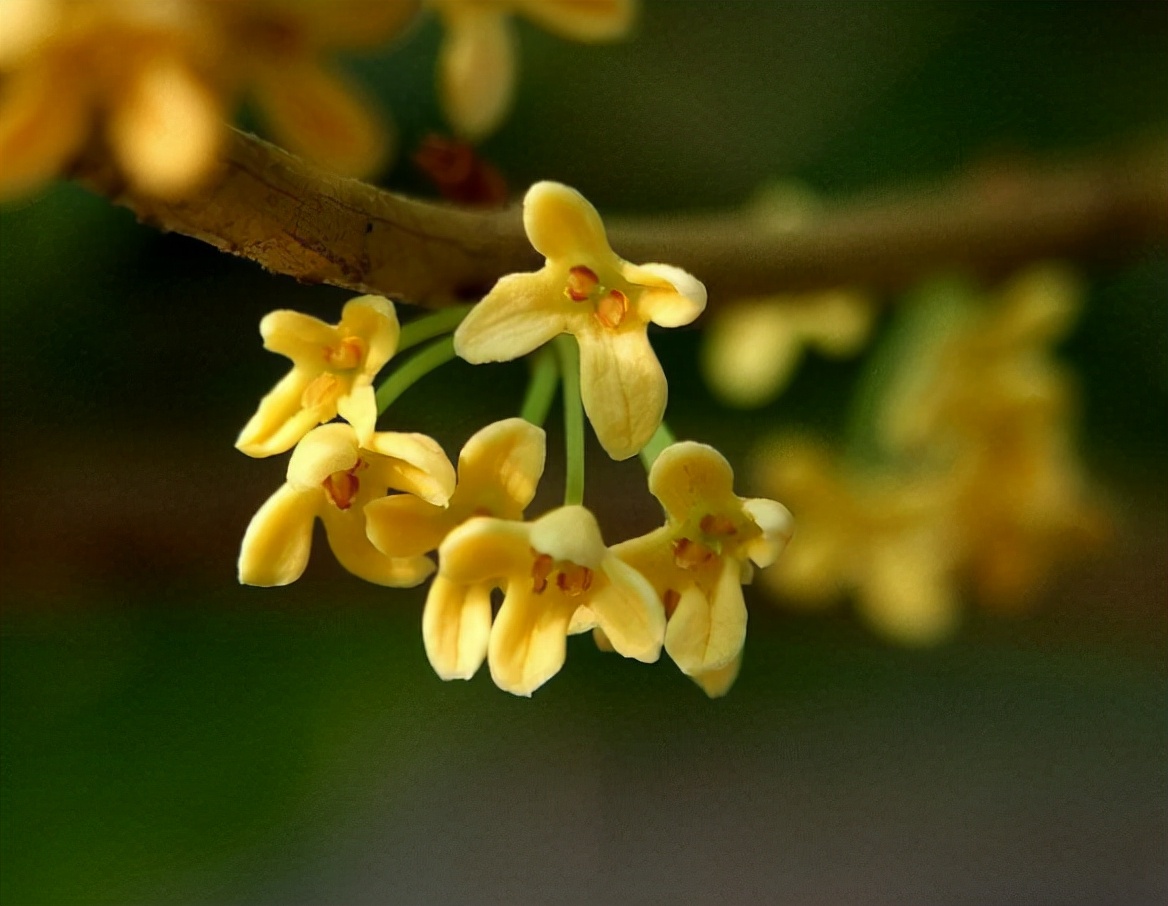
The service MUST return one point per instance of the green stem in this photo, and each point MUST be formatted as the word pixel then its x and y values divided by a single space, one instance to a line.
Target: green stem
pixel 429 326
pixel 413 370
pixel 661 439
pixel 541 387
pixel 569 354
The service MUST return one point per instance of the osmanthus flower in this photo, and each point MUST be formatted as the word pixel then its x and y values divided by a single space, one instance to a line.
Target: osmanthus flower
pixel 331 477
pixel 498 471
pixel 607 303
pixel 700 559
pixel 333 367
pixel 476 63
pixel 549 569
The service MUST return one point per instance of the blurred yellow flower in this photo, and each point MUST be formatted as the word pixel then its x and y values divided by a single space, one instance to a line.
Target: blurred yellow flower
pixel 548 570
pixel 751 349
pixel 476 63
pixel 606 302
pixel 333 368
pixel 332 477
pixel 699 560
pixel 498 471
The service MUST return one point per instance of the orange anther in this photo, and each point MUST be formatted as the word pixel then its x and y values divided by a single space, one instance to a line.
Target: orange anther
pixel 717 525
pixel 581 283
pixel 611 310
pixel 691 554
pixel 670 599
pixel 574 580
pixel 341 487
pixel 540 570
pixel 347 354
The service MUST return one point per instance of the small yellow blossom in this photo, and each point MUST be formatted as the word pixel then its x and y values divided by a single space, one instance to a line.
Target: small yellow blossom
pixel 752 348
pixel 332 477
pixel 699 560
pixel 498 471
pixel 604 301
pixel 333 368
pixel 549 569
pixel 476 63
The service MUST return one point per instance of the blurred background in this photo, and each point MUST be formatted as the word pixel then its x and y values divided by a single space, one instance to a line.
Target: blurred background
pixel 170 737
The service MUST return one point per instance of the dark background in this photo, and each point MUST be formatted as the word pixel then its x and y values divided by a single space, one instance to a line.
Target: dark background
pixel 169 737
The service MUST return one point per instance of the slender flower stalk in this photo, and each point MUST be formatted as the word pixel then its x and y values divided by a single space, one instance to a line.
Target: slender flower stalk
pixel 541 388
pixel 432 325
pixel 661 439
pixel 433 356
pixel 573 420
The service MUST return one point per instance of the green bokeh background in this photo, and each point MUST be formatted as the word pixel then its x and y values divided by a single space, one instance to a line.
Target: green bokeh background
pixel 168 737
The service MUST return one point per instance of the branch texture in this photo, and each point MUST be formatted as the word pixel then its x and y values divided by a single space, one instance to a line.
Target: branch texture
pixel 275 209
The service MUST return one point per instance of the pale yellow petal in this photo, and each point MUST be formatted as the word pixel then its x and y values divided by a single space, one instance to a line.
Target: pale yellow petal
pixel 582 20
pixel 456 628
pixel 374 320
pixel 705 634
pixel 529 639
pixel 359 408
pixel 716 683
pixel 629 612
pixel 563 225
pixel 583 620
pixel 505 459
pixel 651 556
pixel 688 476
pixel 345 530
pixel 601 640
pixel 750 353
pixel 403 525
pixel 672 297
pixel 167 129
pixel 777 525
pixel 476 71
pixel 43 121
pixel 280 421
pixel 484 550
pixel 321 115
pixel 623 388
pixel 419 465
pixel 839 321
pixel 278 538
pixel 520 314
pixel 907 594
pixel 569 533
pixel 323 451
pixel 300 337
pixel 27 25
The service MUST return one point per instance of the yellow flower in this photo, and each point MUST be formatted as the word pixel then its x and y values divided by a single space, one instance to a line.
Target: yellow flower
pixel 606 302
pixel 476 63
pixel 332 477
pixel 498 471
pixel 333 368
pixel 548 570
pixel 698 561
pixel 752 348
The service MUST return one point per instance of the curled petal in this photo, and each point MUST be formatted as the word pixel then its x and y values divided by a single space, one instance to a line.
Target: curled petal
pixel 705 634
pixel 278 539
pixel 777 525
pixel 569 533
pixel 716 683
pixel 476 67
pixel 353 550
pixel 629 612
pixel 671 298
pixel 583 620
pixel 167 128
pixel 507 458
pixel 323 451
pixel 688 476
pixel 520 314
pixel 483 550
pixel 593 20
pixel 359 408
pixel 280 421
pixel 43 122
pixel 529 639
pixel 563 225
pixel 403 525
pixel 374 319
pixel 623 388
pixel 456 627
pixel 419 465
pixel 300 337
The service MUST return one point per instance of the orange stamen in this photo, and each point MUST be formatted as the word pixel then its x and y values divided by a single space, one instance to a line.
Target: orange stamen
pixel 540 570
pixel 717 525
pixel 322 393
pixel 345 355
pixel 611 310
pixel 341 487
pixel 689 554
pixel 574 580
pixel 581 283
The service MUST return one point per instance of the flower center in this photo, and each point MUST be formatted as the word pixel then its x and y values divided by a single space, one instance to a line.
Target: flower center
pixel 611 306
pixel 321 393
pixel 341 487
pixel 689 554
pixel 570 578
pixel 345 355
pixel 717 525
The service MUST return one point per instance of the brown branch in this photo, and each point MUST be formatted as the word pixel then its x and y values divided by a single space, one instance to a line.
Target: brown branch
pixel 275 209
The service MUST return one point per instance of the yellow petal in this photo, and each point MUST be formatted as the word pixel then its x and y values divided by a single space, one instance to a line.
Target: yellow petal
pixel 278 539
pixel 359 408
pixel 750 353
pixel 777 525
pixel 520 314
pixel 689 476
pixel 355 23
pixel 569 533
pixel 629 612
pixel 403 525
pixel 529 639
pixel 476 66
pixel 705 634
pixel 43 122
pixel 323 451
pixel 456 627
pixel 280 421
pixel 167 129
pixel 672 297
pixel 485 550
pixel 582 20
pixel 322 116
pixel 300 337
pixel 420 466
pixel 505 459
pixel 907 593
pixel 351 546
pixel 623 388
pixel 562 225
pixel 839 321
pixel 716 683
pixel 583 620
pixel 373 319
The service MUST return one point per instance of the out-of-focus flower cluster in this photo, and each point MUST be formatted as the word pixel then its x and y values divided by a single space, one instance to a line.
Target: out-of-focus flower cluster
pixel 390 500
pixel 971 478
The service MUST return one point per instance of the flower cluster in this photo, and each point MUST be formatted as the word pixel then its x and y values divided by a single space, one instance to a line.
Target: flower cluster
pixel 390 501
